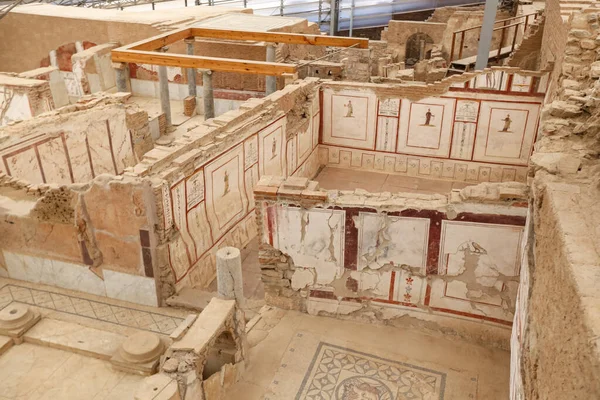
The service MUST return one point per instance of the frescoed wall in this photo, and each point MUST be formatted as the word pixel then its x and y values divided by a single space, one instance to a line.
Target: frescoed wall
pixel 212 205
pixel 482 129
pixel 75 149
pixel 430 257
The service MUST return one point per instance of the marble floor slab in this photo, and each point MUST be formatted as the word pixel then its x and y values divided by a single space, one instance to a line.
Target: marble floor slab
pixel 331 178
pixel 31 372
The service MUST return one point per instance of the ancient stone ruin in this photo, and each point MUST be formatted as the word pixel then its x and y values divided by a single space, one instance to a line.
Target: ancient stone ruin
pixel 246 201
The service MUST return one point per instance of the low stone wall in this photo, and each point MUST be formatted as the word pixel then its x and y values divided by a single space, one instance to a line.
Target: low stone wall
pixel 447 260
pixel 208 359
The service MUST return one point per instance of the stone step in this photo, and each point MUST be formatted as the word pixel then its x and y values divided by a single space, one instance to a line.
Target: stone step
pixel 74 338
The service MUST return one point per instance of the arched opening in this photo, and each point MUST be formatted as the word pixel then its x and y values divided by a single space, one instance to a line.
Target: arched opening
pixel 418 47
pixel 222 352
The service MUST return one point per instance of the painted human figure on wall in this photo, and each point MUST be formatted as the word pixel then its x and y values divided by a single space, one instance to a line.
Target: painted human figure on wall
pixel 274 148
pixel 350 110
pixel 428 117
pixel 225 183
pixel 507 122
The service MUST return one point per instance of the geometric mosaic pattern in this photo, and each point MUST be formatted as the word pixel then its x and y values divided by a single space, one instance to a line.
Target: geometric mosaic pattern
pixel 338 373
pixel 149 321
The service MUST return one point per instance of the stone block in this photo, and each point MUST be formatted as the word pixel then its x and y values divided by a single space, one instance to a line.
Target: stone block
pixel 562 109
pixel 139 354
pixel 595 70
pixel 183 327
pixel 295 183
pixel 5 344
pixel 16 319
pixel 207 326
pixel 74 338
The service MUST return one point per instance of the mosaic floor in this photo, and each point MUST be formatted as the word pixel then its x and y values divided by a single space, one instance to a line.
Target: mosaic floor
pixel 119 315
pixel 341 373
pixel 313 368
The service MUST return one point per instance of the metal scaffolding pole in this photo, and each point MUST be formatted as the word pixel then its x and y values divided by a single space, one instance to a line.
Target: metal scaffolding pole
pixel 485 37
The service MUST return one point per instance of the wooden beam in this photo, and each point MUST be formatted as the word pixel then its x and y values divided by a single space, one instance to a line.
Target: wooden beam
pixel 156 42
pixel 276 37
pixel 212 63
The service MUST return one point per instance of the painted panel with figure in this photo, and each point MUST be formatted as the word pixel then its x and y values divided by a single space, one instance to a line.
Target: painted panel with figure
pixel 349 118
pixel 488 253
pixel 226 200
pixel 506 132
pixel 271 149
pixel 426 127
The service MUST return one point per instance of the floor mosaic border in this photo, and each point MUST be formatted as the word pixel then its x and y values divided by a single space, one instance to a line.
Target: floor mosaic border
pixel 118 315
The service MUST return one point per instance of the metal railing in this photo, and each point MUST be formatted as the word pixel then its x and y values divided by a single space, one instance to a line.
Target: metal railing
pixel 504 29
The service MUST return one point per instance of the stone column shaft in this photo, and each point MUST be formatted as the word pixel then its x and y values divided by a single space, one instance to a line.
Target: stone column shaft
pixel 165 100
pixel 122 72
pixel 229 274
pixel 191 72
pixel 270 81
pixel 207 93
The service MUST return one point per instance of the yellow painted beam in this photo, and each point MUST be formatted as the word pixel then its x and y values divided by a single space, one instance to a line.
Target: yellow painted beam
pixel 277 37
pixel 156 42
pixel 211 63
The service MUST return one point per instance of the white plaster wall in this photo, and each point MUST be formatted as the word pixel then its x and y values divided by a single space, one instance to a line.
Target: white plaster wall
pixel 13 106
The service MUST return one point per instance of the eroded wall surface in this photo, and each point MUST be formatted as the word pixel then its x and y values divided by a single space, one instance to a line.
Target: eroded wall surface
pixel 76 143
pixel 474 127
pixel 92 237
pixel 385 256
pixel 555 346
pixel 22 98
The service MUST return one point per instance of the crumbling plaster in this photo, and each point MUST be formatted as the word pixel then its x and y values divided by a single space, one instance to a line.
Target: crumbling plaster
pixel 311 274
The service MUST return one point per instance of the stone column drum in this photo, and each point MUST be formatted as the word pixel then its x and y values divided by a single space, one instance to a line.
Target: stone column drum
pixel 229 274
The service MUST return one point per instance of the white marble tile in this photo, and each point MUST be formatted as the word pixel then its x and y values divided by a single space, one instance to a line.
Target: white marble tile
pixel 132 288
pixel 54 161
pixel 97 135
pixel 53 272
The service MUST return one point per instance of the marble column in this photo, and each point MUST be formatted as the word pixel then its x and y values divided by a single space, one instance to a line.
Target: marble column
pixel 270 81
pixel 191 72
pixel 163 85
pixel 207 94
pixel 229 274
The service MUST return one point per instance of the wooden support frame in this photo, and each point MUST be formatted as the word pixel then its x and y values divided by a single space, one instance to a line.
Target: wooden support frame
pixel 277 37
pixel 198 62
pixel 145 51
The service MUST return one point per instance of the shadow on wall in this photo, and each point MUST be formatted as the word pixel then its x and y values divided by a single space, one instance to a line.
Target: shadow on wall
pixel 418 47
